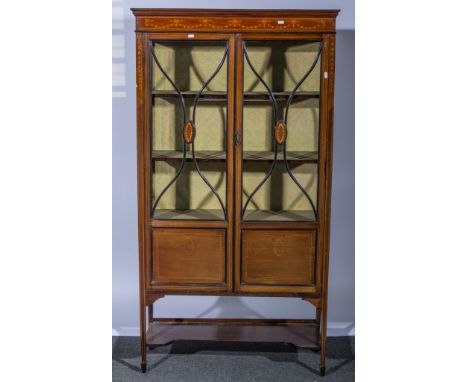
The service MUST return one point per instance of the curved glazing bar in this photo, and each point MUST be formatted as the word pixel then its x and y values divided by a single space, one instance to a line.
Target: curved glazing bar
pixel 288 103
pixel 275 120
pixel 182 103
pixel 270 93
pixel 206 180
pixel 197 167
pixel 288 169
pixel 208 82
pixel 181 97
pixel 275 117
pixel 179 171
pixel 270 171
pixel 293 92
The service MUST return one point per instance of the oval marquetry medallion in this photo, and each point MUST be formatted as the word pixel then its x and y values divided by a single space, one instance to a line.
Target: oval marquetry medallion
pixel 280 132
pixel 189 132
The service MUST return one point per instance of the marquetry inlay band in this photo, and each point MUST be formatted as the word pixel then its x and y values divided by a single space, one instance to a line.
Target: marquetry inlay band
pixel 149 23
pixel 139 68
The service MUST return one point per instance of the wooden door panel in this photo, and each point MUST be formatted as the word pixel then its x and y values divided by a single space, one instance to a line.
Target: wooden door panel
pixel 188 256
pixel 278 257
pixel 279 236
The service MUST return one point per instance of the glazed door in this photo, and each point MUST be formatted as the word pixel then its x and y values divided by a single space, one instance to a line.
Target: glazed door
pixel 278 162
pixel 190 118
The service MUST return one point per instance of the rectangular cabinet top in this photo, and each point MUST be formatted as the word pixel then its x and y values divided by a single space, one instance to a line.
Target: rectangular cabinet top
pixel 234 20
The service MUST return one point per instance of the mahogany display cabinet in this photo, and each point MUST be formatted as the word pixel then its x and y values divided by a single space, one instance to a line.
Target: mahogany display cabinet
pixel 234 132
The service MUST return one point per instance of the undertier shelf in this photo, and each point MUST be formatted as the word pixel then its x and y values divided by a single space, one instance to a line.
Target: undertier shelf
pixel 267 215
pixel 248 96
pixel 188 214
pixel 301 333
pixel 248 156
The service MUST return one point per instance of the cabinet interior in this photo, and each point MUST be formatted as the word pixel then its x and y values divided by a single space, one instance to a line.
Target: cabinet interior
pixel 281 65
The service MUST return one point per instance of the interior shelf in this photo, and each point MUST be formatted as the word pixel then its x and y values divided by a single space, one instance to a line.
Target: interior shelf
pixel 267 215
pixel 206 95
pixel 204 155
pixel 248 96
pixel 298 156
pixel 280 96
pixel 161 214
pixel 301 333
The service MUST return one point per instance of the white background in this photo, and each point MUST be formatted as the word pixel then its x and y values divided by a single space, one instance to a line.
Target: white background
pixel 125 299
pixel 55 195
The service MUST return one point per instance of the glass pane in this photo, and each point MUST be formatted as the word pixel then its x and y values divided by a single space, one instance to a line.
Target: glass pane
pixel 281 130
pixel 189 124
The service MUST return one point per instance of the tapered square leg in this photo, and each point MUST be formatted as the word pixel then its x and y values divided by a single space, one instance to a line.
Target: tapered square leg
pixel 322 371
pixel 150 320
pixel 143 354
pixel 318 319
pixel 323 346
pixel 143 337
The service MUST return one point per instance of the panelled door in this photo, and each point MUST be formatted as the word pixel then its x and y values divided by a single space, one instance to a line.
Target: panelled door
pixel 234 160
pixel 278 162
pixel 190 160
